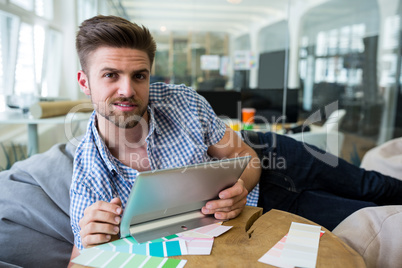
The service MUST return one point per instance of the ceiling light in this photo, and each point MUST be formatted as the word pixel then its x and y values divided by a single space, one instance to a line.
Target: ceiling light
pixel 234 1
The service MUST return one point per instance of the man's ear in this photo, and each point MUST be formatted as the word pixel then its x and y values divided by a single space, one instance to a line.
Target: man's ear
pixel 83 82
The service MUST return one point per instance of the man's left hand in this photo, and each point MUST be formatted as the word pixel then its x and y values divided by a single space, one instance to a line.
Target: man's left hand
pixel 231 202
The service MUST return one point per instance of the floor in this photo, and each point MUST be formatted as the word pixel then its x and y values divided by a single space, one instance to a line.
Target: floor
pixel 355 146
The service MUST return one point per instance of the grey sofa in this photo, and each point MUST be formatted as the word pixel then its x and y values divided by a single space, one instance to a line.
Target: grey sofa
pixel 375 232
pixel 34 210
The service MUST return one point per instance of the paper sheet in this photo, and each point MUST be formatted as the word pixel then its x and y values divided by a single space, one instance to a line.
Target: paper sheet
pixel 126 251
pixel 301 247
pixel 214 230
pixel 94 257
pixel 157 249
pixel 198 246
pixel 200 240
pixel 275 257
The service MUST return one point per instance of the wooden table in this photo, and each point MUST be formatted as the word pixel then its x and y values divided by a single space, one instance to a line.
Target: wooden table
pixel 254 234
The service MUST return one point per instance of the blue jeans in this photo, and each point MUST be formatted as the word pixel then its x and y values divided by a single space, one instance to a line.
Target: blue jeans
pixel 294 180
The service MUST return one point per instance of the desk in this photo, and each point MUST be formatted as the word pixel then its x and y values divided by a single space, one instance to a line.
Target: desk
pixel 253 235
pixel 11 117
pixel 276 127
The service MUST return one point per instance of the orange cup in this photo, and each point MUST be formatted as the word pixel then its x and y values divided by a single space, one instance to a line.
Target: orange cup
pixel 248 115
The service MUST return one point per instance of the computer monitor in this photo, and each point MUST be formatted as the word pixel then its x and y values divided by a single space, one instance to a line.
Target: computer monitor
pixel 271 69
pixel 269 104
pixel 225 103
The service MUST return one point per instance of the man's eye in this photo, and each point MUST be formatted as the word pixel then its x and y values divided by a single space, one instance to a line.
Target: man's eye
pixel 110 75
pixel 139 76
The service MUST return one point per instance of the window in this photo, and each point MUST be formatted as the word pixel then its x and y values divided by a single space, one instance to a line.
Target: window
pixel 321 44
pixel 39 47
pixel 337 55
pixel 44 8
pixel 25 4
pixel 390 45
pixel 344 39
pixel 8 44
pixel 86 9
pixel 52 64
pixel 25 68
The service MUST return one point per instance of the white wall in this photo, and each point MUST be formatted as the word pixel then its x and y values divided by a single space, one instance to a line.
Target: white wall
pixel 66 20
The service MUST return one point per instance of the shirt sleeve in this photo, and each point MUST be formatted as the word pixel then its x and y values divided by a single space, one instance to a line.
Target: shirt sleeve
pixel 212 126
pixel 78 203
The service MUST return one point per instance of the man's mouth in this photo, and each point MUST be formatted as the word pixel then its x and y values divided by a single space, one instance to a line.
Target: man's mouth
pixel 124 105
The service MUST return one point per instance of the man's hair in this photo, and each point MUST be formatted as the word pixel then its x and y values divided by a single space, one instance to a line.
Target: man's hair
pixel 112 31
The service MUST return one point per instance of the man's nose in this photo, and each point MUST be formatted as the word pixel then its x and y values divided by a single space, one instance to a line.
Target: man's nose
pixel 126 88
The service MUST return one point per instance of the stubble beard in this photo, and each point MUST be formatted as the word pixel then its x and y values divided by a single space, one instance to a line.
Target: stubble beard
pixel 122 119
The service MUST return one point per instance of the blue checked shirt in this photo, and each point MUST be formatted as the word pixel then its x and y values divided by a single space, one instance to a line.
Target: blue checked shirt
pixel 182 125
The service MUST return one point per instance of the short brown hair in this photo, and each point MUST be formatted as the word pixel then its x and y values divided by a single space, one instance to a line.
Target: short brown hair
pixel 112 31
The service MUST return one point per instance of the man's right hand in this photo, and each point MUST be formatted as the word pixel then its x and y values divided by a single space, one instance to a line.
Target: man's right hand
pixel 101 220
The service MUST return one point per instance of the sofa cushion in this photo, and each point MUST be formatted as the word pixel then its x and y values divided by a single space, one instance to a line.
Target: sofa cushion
pixel 34 209
pixel 386 158
pixel 375 234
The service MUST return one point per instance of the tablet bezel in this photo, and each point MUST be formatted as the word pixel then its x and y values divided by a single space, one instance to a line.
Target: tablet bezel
pixel 178 194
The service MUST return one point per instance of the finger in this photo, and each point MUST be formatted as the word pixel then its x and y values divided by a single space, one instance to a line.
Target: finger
pixel 99 228
pixel 227 215
pixel 225 205
pixel 105 206
pixel 235 190
pixel 116 201
pixel 95 239
pixel 99 216
pixel 240 194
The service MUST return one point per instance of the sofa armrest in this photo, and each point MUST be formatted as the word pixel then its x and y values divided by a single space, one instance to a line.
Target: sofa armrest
pixel 374 233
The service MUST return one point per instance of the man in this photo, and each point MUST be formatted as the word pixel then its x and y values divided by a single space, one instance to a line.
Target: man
pixel 137 127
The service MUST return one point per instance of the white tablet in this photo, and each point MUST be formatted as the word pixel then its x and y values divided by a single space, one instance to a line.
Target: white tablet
pixel 169 201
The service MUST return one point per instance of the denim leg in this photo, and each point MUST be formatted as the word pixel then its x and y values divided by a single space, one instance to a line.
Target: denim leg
pixel 277 191
pixel 325 208
pixel 302 171
pixel 291 175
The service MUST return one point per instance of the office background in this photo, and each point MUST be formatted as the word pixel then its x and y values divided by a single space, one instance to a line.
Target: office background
pixel 317 51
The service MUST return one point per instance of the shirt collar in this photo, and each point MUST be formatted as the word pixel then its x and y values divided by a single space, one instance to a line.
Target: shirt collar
pixel 152 123
pixel 110 161
pixel 104 152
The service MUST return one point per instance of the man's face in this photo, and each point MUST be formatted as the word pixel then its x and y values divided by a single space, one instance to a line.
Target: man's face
pixel 118 83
